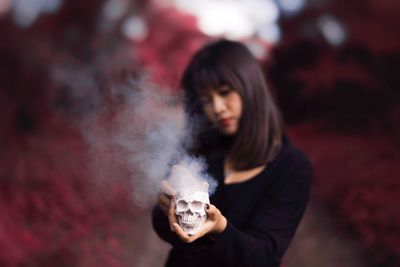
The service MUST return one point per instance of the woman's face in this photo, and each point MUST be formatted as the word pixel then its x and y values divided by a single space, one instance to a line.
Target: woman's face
pixel 223 108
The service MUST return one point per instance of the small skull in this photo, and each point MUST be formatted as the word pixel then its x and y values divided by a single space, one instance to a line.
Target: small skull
pixel 190 210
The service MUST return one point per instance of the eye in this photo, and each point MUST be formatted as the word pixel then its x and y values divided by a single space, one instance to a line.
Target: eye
pixel 196 205
pixel 225 90
pixel 182 205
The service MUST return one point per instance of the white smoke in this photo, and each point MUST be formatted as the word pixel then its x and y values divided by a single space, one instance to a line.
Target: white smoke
pixel 145 136
pixel 196 177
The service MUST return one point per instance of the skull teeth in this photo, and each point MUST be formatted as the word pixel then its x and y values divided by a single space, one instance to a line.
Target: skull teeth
pixel 191 224
pixel 190 219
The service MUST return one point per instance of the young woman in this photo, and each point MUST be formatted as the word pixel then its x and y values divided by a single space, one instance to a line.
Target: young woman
pixel 263 181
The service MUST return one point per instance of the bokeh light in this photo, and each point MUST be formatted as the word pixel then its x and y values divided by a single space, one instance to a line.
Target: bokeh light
pixel 332 30
pixel 135 28
pixel 231 19
pixel 50 6
pixel 270 32
pixel 115 9
pixel 25 12
pixel 5 6
pixel 258 49
pixel 233 23
pixel 290 7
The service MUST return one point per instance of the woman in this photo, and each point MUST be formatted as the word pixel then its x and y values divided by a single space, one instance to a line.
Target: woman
pixel 263 181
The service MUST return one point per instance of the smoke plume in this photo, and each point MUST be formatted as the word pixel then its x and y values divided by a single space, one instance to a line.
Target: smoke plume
pixel 144 134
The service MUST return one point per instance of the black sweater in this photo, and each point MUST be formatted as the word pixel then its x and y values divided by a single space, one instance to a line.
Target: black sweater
pixel 262 213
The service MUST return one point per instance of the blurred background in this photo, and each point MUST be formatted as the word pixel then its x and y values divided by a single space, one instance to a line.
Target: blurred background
pixel 333 66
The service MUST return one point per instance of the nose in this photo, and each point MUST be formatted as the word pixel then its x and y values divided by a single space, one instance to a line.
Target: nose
pixel 218 105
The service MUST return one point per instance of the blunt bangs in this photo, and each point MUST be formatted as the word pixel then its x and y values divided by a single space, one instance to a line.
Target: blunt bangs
pixel 212 76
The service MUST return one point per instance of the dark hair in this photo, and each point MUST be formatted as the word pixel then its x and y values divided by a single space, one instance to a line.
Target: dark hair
pixel 259 136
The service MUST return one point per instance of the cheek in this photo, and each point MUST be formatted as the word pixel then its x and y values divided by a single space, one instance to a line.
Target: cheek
pixel 236 104
pixel 239 109
pixel 208 113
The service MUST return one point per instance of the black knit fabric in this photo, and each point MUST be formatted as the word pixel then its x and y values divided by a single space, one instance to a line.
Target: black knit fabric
pixel 262 213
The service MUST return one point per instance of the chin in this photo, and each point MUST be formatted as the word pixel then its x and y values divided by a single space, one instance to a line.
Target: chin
pixel 228 132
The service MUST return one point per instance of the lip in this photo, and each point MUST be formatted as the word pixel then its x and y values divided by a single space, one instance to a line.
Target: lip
pixel 225 122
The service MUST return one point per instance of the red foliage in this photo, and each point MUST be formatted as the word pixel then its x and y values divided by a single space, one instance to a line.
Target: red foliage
pixel 54 215
pixel 54 211
pixel 173 38
pixel 343 106
pixel 357 181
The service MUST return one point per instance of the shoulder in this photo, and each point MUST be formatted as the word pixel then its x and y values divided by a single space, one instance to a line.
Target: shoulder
pixel 296 157
pixel 291 176
pixel 294 162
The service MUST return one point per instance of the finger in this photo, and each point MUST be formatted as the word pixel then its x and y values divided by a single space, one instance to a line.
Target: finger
pixel 167 188
pixel 171 214
pixel 212 211
pixel 164 203
pixel 181 234
pixel 164 210
pixel 171 209
pixel 164 200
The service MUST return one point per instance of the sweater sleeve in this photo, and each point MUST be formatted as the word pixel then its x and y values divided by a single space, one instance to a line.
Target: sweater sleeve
pixel 271 228
pixel 162 228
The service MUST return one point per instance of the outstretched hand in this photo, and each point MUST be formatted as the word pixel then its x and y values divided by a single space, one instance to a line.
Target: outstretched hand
pixel 215 223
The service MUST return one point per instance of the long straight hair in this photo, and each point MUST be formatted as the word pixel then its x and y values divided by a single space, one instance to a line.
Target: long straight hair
pixel 259 136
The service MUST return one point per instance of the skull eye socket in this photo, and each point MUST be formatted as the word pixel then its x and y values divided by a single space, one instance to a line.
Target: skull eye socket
pixel 196 205
pixel 182 205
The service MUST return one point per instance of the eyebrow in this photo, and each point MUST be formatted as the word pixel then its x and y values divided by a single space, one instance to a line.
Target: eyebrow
pixel 224 86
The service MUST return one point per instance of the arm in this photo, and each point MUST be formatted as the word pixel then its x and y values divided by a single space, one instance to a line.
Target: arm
pixel 271 228
pixel 159 215
pixel 162 227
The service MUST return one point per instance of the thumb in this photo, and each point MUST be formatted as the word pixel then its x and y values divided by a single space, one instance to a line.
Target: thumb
pixel 211 211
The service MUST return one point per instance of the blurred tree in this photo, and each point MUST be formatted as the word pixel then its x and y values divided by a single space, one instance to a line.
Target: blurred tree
pixel 54 212
pixel 173 38
pixel 335 74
